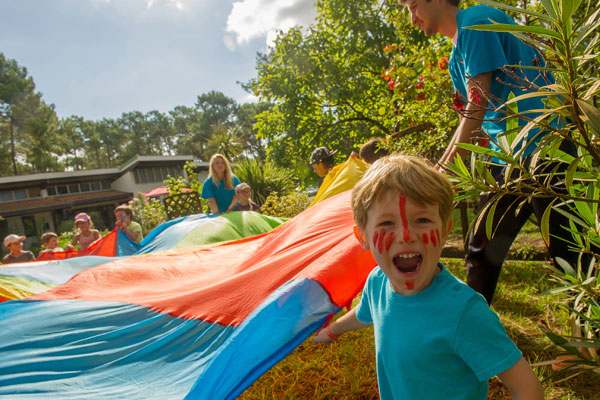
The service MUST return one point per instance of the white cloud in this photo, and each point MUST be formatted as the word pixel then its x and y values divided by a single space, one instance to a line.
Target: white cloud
pixel 250 19
pixel 177 4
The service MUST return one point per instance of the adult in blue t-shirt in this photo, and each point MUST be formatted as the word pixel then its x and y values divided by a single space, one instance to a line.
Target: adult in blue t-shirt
pixel 218 188
pixel 484 63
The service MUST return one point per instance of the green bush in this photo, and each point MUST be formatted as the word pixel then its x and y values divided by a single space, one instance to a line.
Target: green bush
pixel 149 213
pixel 286 206
pixel 264 179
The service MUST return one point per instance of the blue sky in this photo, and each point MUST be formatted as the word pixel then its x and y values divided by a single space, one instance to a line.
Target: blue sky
pixel 100 58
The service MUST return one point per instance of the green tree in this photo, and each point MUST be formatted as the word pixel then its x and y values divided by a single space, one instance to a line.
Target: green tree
pixel 18 102
pixel 71 141
pixel 40 143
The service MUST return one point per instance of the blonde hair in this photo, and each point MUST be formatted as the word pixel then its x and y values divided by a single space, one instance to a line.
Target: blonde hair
pixel 412 176
pixel 228 178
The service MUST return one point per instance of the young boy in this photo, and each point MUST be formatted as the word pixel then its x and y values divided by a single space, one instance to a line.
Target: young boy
pixel 245 203
pixel 14 244
pixel 50 242
pixel 435 338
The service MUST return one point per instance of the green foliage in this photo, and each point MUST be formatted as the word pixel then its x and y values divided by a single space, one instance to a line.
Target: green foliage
pixel 264 178
pixel 567 34
pixel 65 238
pixel 27 124
pixel 149 213
pixel 286 206
pixel 176 185
pixel 325 84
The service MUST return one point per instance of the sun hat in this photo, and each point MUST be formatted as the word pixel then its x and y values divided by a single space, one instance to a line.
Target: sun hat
pixel 320 154
pixel 12 238
pixel 82 217
pixel 241 187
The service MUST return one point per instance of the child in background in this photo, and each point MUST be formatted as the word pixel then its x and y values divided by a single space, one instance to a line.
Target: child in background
pixel 373 150
pixel 50 242
pixel 435 338
pixel 123 222
pixel 14 244
pixel 245 203
pixel 87 235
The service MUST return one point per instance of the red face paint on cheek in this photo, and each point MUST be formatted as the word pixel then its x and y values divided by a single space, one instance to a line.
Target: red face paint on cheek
pixel 381 241
pixel 410 285
pixel 433 238
pixel 402 205
pixel 425 238
pixel 389 241
pixel 375 237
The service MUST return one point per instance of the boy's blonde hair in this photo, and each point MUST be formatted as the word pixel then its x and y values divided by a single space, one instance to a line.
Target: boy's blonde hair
pixel 414 177
pixel 47 236
pixel 228 178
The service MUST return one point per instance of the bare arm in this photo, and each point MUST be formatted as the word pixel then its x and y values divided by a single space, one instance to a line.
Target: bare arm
pixel 212 203
pixel 522 382
pixel 74 241
pixel 234 201
pixel 474 114
pixel 346 323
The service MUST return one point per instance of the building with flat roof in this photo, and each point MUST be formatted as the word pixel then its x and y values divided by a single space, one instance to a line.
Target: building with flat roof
pixel 33 204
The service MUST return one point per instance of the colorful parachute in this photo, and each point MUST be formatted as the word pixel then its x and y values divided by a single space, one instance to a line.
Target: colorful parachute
pixel 18 281
pixel 198 322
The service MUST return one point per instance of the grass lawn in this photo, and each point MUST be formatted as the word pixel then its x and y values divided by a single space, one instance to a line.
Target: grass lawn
pixel 346 369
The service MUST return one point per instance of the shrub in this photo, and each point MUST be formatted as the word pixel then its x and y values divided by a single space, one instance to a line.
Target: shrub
pixel 286 206
pixel 264 179
pixel 149 213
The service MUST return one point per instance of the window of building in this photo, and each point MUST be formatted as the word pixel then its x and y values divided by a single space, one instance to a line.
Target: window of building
pixel 74 188
pixel 62 189
pixel 85 187
pixel 105 185
pixel 20 194
pixel 6 196
pixel 51 191
pixel 95 186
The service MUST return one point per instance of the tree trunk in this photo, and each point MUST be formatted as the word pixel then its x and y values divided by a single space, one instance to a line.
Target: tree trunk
pixel 12 147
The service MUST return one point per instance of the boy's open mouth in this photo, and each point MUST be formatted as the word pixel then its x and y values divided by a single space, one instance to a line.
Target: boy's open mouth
pixel 408 263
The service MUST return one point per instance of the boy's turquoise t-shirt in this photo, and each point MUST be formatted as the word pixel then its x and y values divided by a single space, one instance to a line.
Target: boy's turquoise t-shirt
pixel 441 343
pixel 223 196
pixel 477 52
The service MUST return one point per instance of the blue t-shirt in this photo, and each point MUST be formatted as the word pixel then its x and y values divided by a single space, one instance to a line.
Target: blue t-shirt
pixel 223 196
pixel 477 52
pixel 441 343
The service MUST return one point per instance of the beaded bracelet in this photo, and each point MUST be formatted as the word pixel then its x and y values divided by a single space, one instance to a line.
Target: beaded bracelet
pixel 330 334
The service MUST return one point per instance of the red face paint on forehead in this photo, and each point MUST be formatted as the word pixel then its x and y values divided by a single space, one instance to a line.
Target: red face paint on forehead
pixel 402 205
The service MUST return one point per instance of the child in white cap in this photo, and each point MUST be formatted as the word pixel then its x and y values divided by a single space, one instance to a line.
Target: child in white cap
pixel 14 244
pixel 245 203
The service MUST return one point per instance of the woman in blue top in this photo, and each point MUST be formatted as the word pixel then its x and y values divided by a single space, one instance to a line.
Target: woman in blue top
pixel 218 188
